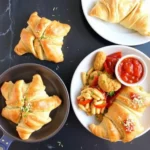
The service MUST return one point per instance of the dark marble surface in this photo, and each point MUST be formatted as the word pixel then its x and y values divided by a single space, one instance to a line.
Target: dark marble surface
pixel 81 41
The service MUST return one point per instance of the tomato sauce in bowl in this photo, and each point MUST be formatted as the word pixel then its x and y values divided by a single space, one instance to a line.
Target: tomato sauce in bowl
pixel 130 70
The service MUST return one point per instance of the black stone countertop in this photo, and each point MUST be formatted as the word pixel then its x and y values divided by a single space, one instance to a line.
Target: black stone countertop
pixel 80 42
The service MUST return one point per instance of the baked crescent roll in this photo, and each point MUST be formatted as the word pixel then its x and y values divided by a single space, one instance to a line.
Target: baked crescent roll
pixel 118 124
pixel 139 18
pixel 43 38
pixel 132 14
pixel 37 116
pixel 135 99
pixel 28 105
pixel 106 129
pixel 14 98
pixel 30 123
pixel 126 122
pixel 36 89
pixel 14 93
pixel 113 11
pixel 121 122
pixel 12 113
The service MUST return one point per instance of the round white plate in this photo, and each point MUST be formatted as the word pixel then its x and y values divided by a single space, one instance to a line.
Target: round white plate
pixel 86 64
pixel 112 32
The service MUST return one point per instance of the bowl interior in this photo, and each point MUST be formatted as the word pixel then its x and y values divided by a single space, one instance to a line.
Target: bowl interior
pixel 54 85
pixel 144 70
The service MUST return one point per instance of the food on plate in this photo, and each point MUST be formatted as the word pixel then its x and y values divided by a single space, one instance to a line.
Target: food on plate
pixel 43 38
pixel 135 98
pixel 107 84
pixel 99 61
pixel 92 101
pixel 111 61
pixel 93 78
pixel 106 129
pixel 139 18
pixel 28 105
pixel 118 9
pixel 99 86
pixel 118 108
pixel 132 14
pixel 121 122
pixel 130 70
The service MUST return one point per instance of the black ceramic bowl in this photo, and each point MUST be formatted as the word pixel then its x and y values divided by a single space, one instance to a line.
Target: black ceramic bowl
pixel 54 85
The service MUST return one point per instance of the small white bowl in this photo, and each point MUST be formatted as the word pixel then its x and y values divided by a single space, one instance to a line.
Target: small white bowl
pixel 144 69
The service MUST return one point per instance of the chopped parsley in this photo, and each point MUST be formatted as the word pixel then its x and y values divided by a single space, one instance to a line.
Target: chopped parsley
pixel 43 37
pixel 112 93
pixel 25 115
pixel 26 108
pixel 98 73
pixel 92 92
pixel 92 77
pixel 103 81
pixel 24 99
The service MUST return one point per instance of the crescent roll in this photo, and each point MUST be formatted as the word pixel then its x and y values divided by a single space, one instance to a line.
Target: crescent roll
pixel 14 95
pixel 43 38
pixel 28 105
pixel 113 10
pixel 139 18
pixel 132 14
pixel 37 116
pixel 121 122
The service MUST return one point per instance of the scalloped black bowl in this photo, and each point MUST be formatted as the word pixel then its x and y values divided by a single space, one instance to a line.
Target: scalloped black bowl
pixel 54 85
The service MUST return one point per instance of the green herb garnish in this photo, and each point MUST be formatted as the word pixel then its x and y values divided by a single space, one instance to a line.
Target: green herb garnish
pixel 92 92
pixel 112 93
pixel 26 108
pixel 92 77
pixel 25 115
pixel 43 37
pixel 25 99
pixel 103 81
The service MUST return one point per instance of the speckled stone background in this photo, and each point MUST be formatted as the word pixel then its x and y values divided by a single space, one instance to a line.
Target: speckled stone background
pixel 81 41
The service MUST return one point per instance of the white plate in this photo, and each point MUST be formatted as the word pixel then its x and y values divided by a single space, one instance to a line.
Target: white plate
pixel 86 64
pixel 112 32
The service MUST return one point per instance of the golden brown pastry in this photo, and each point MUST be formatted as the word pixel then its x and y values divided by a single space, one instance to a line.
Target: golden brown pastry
pixel 43 38
pixel 132 14
pixel 106 129
pixel 28 105
pixel 12 113
pixel 121 122
pixel 136 99
pixel 108 84
pixel 14 97
pixel 36 114
pixel 113 11
pixel 139 18
pixel 14 93
pixel 99 61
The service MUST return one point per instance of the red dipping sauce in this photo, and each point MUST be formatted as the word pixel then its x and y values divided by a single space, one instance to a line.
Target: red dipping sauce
pixel 130 70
